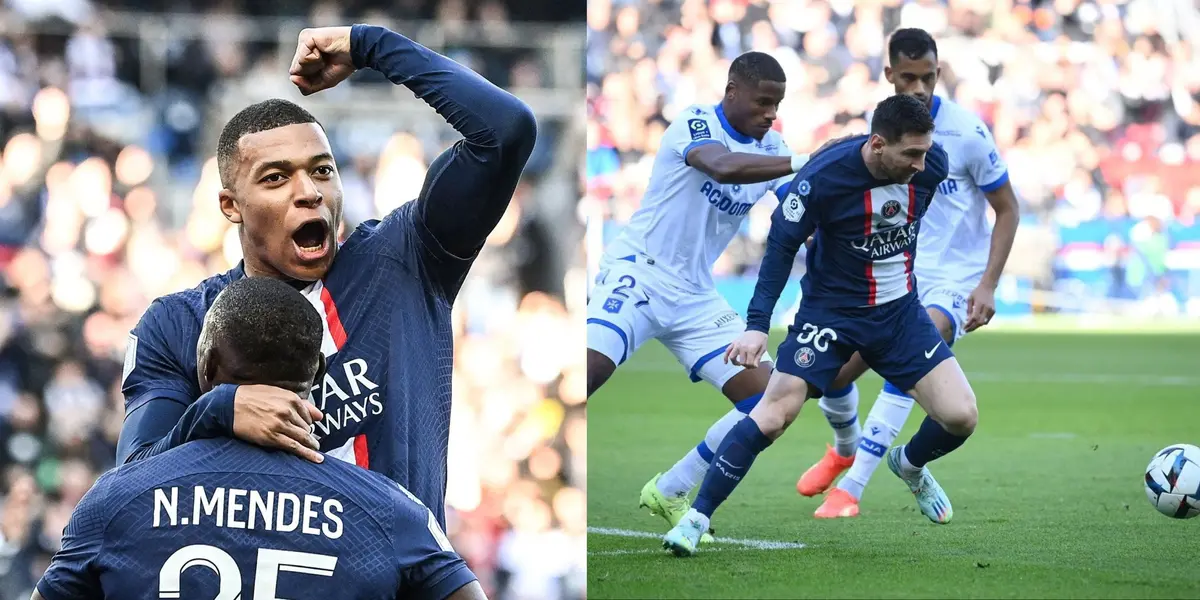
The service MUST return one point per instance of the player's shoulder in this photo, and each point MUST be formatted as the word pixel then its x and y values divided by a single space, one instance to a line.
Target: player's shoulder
pixel 183 311
pixel 831 165
pixel 697 111
pixel 957 124
pixel 937 166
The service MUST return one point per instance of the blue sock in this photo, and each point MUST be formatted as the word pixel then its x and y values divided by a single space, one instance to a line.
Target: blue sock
pixel 734 457
pixel 931 441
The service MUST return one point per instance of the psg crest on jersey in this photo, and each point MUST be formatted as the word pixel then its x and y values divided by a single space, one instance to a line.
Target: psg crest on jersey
pixel 805 357
pixel 890 209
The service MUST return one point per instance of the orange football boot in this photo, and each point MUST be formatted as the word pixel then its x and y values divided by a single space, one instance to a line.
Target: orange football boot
pixel 839 503
pixel 820 476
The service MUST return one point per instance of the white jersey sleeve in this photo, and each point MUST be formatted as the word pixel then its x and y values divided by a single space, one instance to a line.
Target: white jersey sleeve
pixel 983 161
pixel 695 127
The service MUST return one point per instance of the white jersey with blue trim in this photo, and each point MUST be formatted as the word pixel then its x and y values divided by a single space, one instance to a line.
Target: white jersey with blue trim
pixel 686 219
pixel 955 234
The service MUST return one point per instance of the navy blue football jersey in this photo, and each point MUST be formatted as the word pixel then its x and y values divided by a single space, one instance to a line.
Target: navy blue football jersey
pixel 224 519
pixel 864 232
pixel 386 299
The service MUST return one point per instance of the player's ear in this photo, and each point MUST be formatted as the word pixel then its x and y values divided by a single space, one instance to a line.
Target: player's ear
pixel 229 206
pixel 887 74
pixel 206 366
pixel 322 366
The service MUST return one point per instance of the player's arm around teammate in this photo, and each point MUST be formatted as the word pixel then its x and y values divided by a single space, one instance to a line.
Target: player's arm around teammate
pixel 468 187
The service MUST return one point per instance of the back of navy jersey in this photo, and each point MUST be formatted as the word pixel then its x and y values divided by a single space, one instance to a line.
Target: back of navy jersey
pixel 864 232
pixel 385 406
pixel 218 518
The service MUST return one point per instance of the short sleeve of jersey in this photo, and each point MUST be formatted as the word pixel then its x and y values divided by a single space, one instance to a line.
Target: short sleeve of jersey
pixel 430 568
pixel 73 573
pixel 695 127
pixel 987 168
pixel 154 367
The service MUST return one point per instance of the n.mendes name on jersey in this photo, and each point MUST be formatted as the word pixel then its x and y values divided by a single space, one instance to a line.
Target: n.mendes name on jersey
pixel 687 219
pixel 254 509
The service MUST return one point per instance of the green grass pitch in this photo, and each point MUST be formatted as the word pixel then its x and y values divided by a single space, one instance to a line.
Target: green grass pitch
pixel 1048 497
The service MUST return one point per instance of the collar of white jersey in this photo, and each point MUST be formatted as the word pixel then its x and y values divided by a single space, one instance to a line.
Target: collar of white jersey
pixel 935 105
pixel 733 133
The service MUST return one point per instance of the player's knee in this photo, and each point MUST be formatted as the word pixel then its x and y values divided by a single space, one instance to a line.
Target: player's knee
pixel 963 417
pixel 778 408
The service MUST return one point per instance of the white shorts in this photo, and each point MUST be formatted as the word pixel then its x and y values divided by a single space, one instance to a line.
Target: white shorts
pixel 632 304
pixel 948 298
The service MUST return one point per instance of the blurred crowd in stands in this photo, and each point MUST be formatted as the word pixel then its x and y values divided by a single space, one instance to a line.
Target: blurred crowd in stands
pixel 1095 104
pixel 108 199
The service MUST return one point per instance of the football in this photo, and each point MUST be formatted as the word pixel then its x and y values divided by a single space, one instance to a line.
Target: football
pixel 1173 481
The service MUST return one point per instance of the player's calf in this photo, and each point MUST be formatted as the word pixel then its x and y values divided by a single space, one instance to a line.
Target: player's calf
pixel 949 402
pixel 779 406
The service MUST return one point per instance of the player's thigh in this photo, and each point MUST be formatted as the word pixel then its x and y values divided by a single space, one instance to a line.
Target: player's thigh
pixel 947 397
pixel 781 403
pixel 850 372
pixel 947 307
pixel 620 317
pixel 905 345
pixel 698 332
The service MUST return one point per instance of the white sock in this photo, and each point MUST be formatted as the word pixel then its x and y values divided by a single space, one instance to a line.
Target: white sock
pixel 685 475
pixel 690 470
pixel 883 424
pixel 842 413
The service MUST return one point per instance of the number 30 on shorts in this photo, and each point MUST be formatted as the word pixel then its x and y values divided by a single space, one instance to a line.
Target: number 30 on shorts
pixel 819 337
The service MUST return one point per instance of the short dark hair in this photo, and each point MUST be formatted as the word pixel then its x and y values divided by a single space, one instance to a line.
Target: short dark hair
pixel 265 331
pixel 753 67
pixel 911 42
pixel 898 115
pixel 262 116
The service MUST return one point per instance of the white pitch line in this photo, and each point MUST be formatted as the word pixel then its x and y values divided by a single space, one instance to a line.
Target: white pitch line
pixel 755 544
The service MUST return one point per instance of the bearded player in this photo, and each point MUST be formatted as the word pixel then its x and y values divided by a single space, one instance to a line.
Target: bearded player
pixel 861 202
pixel 958 265
pixel 385 294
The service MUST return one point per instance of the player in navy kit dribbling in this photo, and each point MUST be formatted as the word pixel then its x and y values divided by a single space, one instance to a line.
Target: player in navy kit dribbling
pixel 861 201
pixel 220 518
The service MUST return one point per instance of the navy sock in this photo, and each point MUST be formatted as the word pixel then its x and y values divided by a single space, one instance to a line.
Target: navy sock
pixel 734 457
pixel 931 441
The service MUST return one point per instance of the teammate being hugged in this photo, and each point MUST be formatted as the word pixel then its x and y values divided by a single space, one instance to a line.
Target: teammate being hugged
pixel 269 524
pixel 655 279
pixel 385 294
pixel 958 265
pixel 861 201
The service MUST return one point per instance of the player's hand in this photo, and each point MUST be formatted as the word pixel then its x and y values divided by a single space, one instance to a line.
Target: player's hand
pixel 981 306
pixel 273 417
pixel 747 349
pixel 322 59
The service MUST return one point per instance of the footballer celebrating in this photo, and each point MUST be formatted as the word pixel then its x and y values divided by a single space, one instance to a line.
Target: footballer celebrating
pixel 385 294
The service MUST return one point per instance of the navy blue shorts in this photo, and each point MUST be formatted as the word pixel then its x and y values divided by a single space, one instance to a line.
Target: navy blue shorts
pixel 898 340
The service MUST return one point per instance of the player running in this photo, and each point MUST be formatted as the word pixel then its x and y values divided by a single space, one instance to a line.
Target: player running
pixel 861 201
pixel 385 293
pixel 958 265
pixel 268 524
pixel 655 279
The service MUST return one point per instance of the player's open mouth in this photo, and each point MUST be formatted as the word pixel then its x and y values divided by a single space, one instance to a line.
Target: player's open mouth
pixel 312 240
